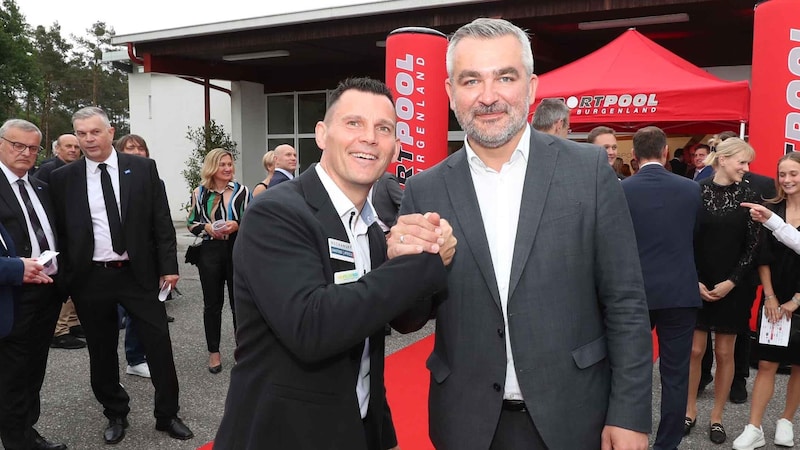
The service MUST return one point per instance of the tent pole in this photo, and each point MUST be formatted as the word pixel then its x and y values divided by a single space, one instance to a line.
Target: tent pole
pixel 741 130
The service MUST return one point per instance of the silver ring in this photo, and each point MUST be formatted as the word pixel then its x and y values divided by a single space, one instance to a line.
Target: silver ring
pixel 402 239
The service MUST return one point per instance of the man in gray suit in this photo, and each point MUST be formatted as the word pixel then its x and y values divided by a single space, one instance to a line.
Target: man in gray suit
pixel 542 337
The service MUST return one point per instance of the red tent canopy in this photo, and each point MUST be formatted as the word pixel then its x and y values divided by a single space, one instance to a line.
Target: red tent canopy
pixel 633 82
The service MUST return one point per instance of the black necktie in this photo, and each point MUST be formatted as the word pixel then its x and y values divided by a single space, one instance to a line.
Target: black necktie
pixel 112 211
pixel 38 231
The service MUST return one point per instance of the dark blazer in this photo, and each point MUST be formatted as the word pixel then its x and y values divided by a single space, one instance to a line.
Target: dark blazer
pixel 11 272
pixel 149 232
pixel 386 197
pixel 278 177
pixel 678 167
pixel 43 172
pixel 299 335
pixel 664 209
pixel 577 313
pixel 706 172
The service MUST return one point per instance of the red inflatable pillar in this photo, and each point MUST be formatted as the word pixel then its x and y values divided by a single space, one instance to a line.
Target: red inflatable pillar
pixel 775 102
pixel 416 72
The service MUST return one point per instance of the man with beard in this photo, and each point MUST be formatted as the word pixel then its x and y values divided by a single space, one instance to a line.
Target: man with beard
pixel 542 336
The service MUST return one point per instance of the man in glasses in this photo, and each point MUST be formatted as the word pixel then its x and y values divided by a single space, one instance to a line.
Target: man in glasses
pixel 26 212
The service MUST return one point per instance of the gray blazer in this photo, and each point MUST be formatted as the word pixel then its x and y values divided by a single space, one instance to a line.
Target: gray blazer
pixel 577 312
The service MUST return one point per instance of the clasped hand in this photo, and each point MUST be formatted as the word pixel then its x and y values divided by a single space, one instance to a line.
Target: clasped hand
pixel 417 233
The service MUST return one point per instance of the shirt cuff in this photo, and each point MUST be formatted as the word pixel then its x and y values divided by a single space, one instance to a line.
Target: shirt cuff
pixel 774 222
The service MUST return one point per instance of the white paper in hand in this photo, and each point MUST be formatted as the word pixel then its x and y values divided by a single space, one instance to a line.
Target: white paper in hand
pixel 164 292
pixel 774 333
pixel 46 256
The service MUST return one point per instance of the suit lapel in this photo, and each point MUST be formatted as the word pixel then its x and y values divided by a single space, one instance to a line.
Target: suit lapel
pixel 542 159
pixel 125 174
pixel 8 196
pixel 461 191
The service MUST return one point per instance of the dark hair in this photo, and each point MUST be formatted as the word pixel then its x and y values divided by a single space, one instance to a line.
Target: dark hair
pixel 549 112
pixel 123 141
pixel 364 84
pixel 678 153
pixel 597 131
pixel 704 146
pixel 649 142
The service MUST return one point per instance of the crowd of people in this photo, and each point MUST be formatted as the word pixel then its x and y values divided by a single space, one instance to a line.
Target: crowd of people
pixel 519 245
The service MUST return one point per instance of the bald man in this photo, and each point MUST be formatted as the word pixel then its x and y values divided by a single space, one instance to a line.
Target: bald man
pixel 66 150
pixel 285 164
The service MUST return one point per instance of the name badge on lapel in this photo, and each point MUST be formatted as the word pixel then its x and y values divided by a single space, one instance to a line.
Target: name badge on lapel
pixel 346 276
pixel 340 250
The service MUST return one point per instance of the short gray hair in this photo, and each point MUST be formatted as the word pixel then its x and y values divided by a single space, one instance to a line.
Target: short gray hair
pixel 19 124
pixel 485 28
pixel 549 112
pixel 89 112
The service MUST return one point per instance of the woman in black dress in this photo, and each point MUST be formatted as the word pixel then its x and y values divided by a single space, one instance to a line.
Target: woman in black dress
pixel 781 281
pixel 726 244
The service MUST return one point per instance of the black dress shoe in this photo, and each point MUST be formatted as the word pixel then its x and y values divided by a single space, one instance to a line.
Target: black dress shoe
pixel 170 319
pixel 77 331
pixel 40 443
pixel 67 341
pixel 116 430
pixel 175 428
pixel 215 369
pixel 738 393
pixel 704 381
pixel 716 432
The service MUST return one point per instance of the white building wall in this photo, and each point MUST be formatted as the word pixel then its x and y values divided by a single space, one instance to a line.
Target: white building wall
pixel 248 114
pixel 162 108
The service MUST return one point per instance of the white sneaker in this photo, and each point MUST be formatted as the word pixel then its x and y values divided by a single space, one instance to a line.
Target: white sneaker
pixel 784 436
pixel 140 370
pixel 751 438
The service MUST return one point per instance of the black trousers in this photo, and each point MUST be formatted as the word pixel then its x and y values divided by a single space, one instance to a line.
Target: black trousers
pixel 96 302
pixel 216 270
pixel 675 329
pixel 24 356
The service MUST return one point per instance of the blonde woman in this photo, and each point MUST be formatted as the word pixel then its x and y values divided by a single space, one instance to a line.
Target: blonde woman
pixel 217 207
pixel 726 244
pixel 269 166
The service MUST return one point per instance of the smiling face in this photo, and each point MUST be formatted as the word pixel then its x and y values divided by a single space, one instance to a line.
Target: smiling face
pixel 225 171
pixel 95 137
pixel 700 156
pixel 286 158
pixel 734 167
pixel 789 177
pixel 490 92
pixel 358 141
pixel 609 142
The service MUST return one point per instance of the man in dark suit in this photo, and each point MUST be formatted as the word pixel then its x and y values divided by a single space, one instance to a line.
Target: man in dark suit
pixel 676 164
pixel 27 214
pixel 119 249
pixel 664 209
pixel 309 371
pixel 701 170
pixel 67 150
pixel 285 164
pixel 543 338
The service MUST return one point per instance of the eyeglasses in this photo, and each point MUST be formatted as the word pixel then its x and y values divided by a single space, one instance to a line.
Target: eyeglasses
pixel 19 147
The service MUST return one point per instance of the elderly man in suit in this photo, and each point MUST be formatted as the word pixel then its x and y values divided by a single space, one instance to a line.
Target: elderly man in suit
pixel 552 117
pixel 119 249
pixel 664 209
pixel 542 338
pixel 309 371
pixel 27 214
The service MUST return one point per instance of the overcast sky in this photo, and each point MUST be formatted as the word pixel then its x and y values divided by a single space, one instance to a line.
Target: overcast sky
pixel 134 16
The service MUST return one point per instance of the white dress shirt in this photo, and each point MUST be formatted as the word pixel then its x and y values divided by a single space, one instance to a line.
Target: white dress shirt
pixel 783 232
pixel 499 197
pixel 103 249
pixel 51 269
pixel 356 226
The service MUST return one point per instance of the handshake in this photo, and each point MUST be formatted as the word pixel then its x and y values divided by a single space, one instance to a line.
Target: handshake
pixel 417 233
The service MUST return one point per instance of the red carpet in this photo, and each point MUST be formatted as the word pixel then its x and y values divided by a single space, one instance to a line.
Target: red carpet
pixel 407 380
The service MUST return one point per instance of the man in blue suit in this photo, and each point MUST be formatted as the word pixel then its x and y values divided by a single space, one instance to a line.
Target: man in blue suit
pixel 13 272
pixel 701 170
pixel 664 209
